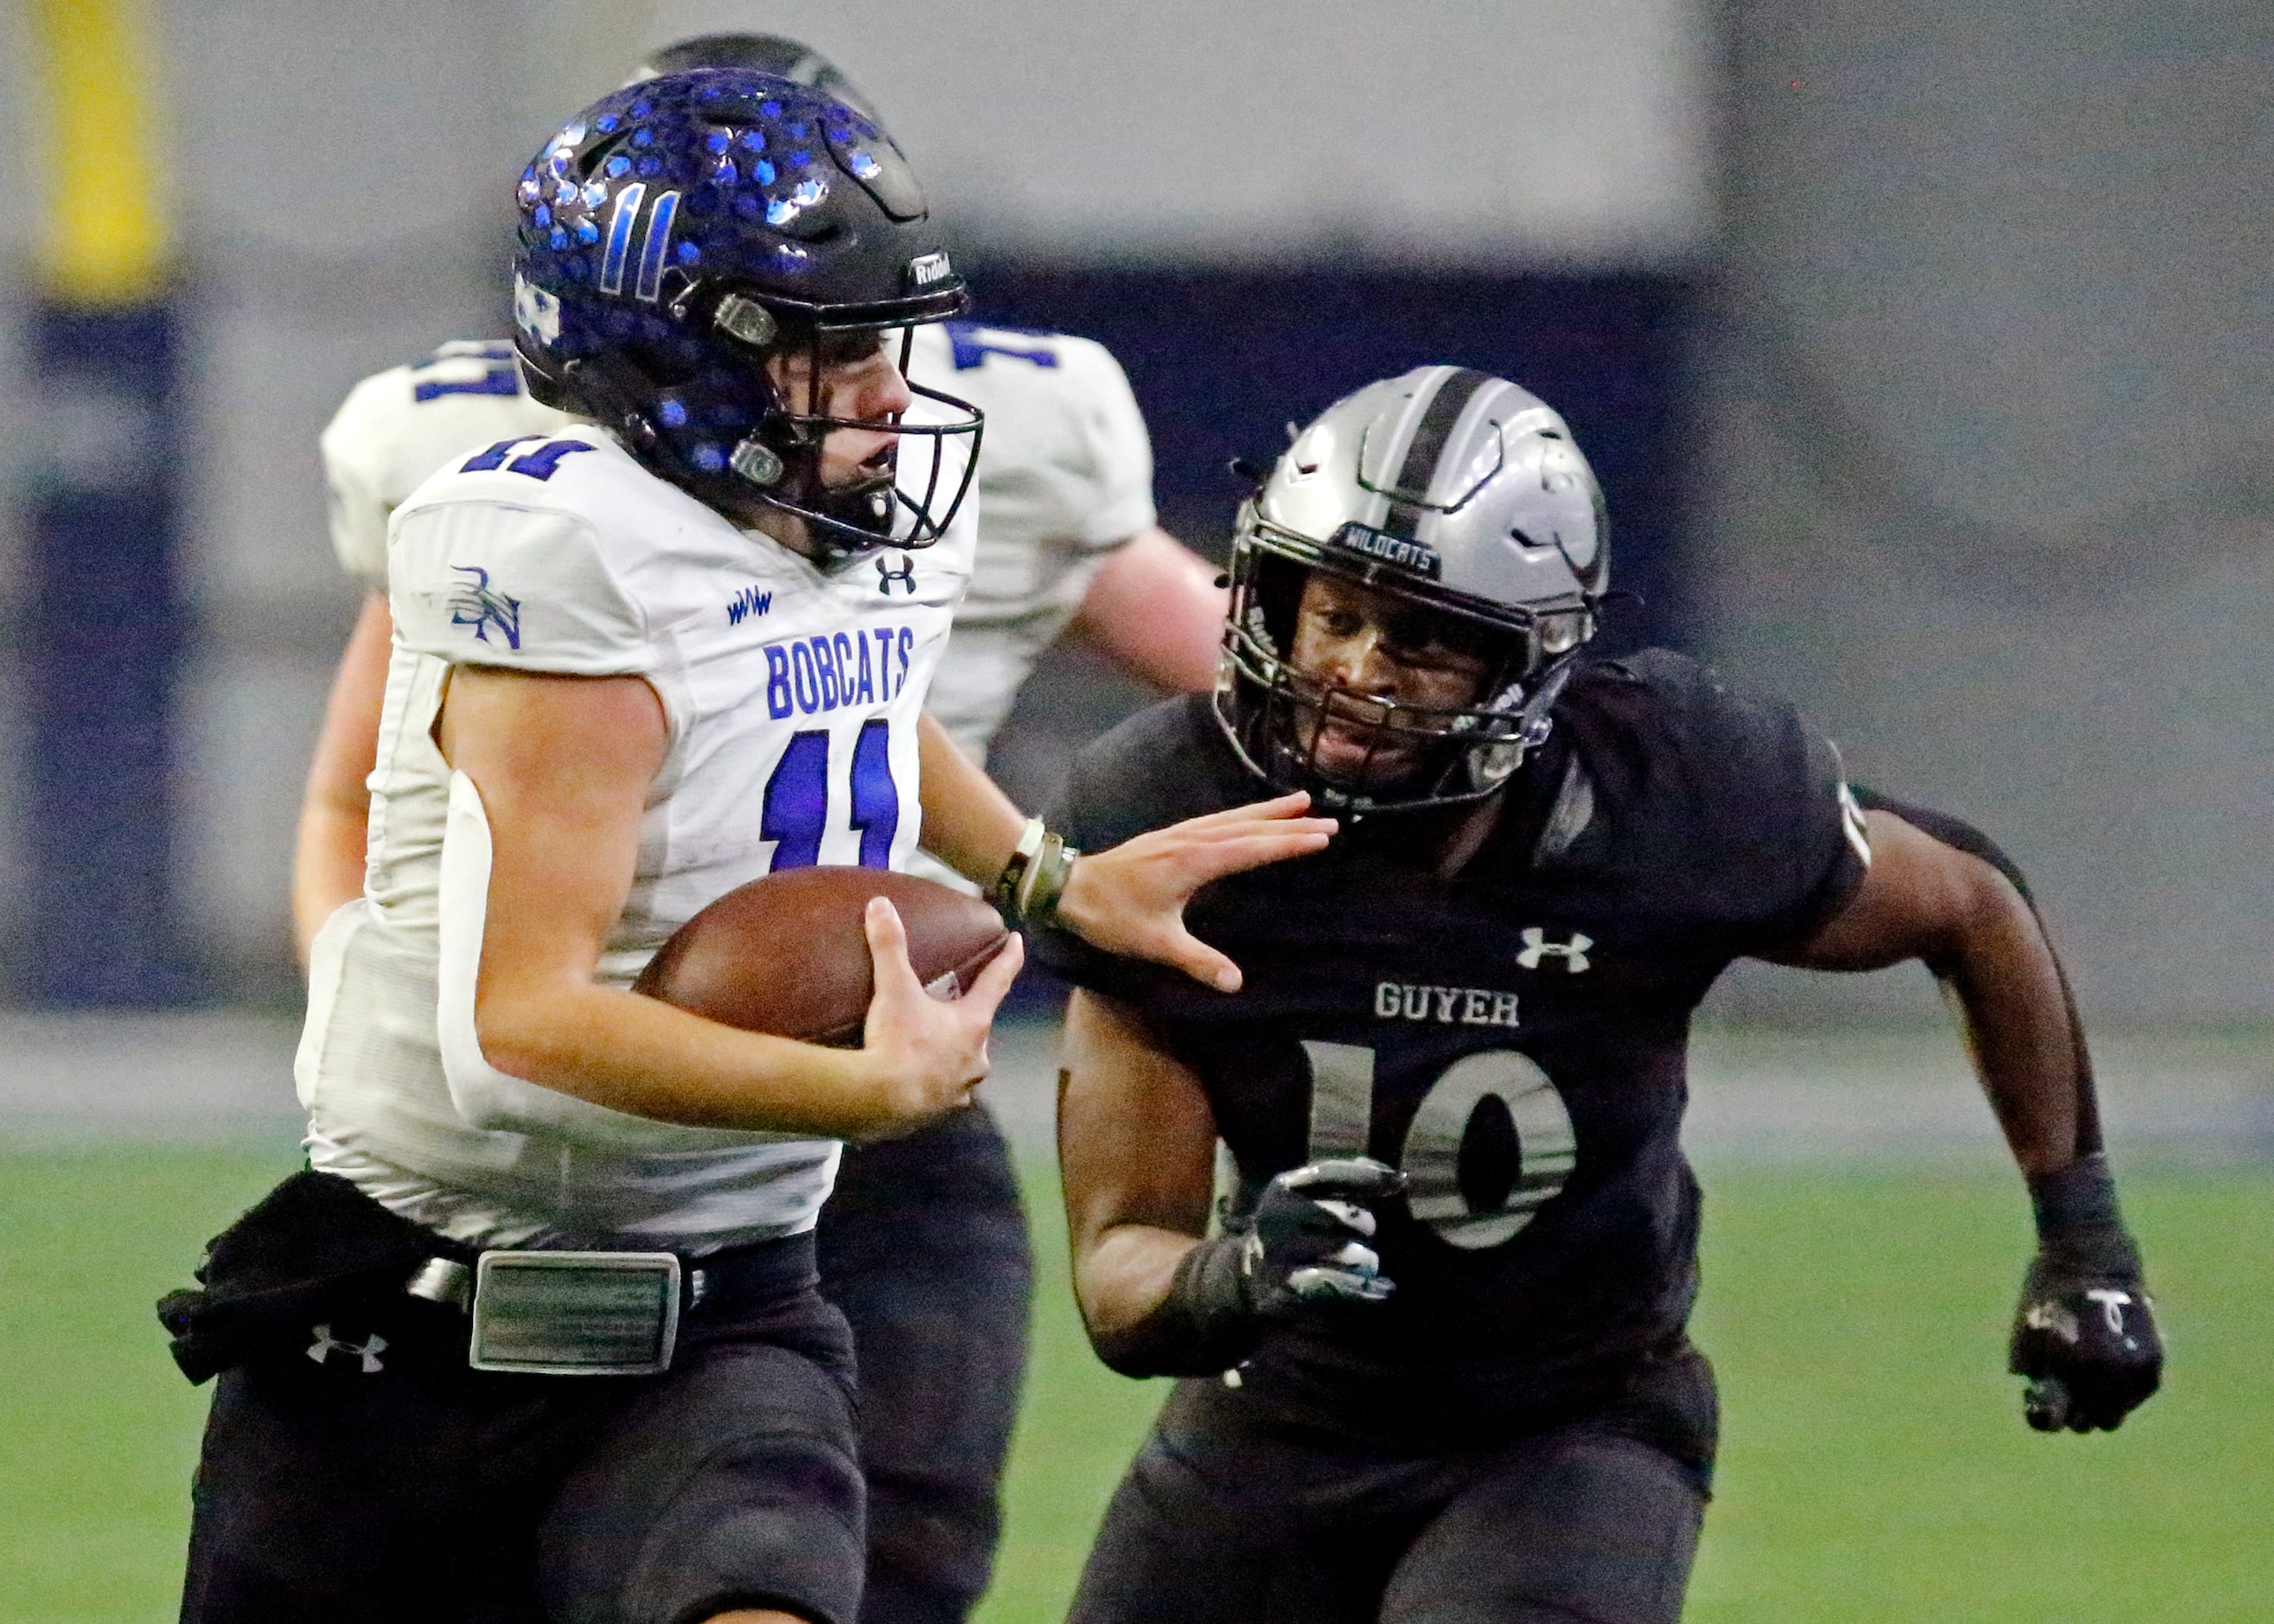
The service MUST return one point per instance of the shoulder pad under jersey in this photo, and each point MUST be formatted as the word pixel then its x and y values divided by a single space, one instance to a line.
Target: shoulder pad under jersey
pixel 397 426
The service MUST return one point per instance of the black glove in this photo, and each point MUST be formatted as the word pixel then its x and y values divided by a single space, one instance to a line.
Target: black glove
pixel 1302 1250
pixel 2085 1332
pixel 1307 1239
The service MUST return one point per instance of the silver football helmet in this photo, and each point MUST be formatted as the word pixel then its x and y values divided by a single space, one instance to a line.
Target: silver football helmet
pixel 1465 498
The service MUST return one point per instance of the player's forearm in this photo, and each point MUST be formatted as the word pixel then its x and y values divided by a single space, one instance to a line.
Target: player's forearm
pixel 328 866
pixel 968 823
pixel 1137 1152
pixel 2000 972
pixel 1154 609
pixel 1956 912
pixel 638 1055
pixel 1121 1279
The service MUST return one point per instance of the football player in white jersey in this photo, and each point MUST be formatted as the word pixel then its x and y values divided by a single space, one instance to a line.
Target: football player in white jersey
pixel 924 1244
pixel 1068 535
pixel 637 661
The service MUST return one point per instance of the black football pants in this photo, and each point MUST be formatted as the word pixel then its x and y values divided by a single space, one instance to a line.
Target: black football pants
pixel 338 1490
pixel 1221 1520
pixel 924 1247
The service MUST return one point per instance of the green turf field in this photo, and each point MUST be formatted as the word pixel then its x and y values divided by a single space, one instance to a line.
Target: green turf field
pixel 1875 1468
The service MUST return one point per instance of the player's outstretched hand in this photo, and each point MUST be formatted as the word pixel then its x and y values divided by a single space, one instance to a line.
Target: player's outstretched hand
pixel 1130 899
pixel 2085 1336
pixel 924 1056
pixel 1307 1243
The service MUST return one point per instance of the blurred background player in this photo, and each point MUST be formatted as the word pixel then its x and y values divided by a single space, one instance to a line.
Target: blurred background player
pixel 583 746
pixel 924 1244
pixel 1438 1359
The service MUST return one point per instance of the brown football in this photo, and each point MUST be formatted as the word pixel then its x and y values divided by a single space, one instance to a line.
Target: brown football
pixel 786 954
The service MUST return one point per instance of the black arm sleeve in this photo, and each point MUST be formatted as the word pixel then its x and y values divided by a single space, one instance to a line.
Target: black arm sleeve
pixel 1960 836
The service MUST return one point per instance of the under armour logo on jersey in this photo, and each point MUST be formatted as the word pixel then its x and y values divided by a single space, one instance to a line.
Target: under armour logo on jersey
pixel 653 247
pixel 478 606
pixel 905 575
pixel 1537 946
pixel 367 1352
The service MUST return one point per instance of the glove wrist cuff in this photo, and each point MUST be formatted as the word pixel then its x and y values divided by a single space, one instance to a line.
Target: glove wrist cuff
pixel 2077 1199
pixel 1206 1324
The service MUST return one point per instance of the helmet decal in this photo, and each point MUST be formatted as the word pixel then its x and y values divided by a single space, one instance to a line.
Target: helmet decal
pixel 535 312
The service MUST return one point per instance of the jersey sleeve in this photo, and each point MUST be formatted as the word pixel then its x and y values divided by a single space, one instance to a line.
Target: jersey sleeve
pixel 352 448
pixel 1118 452
pixel 1143 774
pixel 1739 809
pixel 397 427
pixel 481 582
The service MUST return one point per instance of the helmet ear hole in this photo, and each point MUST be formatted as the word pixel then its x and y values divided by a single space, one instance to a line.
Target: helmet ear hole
pixel 743 318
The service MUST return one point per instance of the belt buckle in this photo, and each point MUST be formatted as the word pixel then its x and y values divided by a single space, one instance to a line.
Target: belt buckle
pixel 538 1313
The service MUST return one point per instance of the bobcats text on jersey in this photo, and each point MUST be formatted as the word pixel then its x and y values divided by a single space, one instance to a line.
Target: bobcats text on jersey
pixel 793 741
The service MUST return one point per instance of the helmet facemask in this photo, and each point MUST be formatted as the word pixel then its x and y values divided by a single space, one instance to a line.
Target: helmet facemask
pixel 783 463
pixel 1297 728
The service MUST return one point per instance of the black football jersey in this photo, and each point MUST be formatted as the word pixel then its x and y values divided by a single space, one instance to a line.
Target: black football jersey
pixel 1513 1038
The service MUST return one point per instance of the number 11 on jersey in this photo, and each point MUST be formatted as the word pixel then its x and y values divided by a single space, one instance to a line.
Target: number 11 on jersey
pixel 794 814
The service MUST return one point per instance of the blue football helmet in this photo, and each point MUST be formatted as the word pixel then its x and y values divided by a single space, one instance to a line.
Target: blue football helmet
pixel 764 53
pixel 684 230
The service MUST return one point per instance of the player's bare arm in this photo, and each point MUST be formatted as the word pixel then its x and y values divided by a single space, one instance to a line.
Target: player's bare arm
pixel 1136 1147
pixel 1155 610
pixel 327 862
pixel 563 765
pixel 2085 1333
pixel 1924 899
pixel 1137 1151
pixel 1129 900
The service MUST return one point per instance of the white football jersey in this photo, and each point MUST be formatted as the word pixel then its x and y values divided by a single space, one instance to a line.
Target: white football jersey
pixel 1065 474
pixel 398 426
pixel 791 695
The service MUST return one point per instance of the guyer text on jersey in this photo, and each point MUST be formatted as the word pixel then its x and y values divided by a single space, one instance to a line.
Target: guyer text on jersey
pixel 1450 1005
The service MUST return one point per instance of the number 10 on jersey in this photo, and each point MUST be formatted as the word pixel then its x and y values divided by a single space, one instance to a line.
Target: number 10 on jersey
pixel 1490 1144
pixel 795 811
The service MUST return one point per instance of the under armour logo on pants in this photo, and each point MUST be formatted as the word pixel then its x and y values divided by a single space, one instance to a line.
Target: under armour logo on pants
pixel 368 1352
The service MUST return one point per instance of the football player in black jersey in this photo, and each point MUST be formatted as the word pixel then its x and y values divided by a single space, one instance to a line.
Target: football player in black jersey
pixel 1438 1368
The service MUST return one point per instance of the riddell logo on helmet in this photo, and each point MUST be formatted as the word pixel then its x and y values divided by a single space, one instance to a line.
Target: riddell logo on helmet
pixel 927 268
